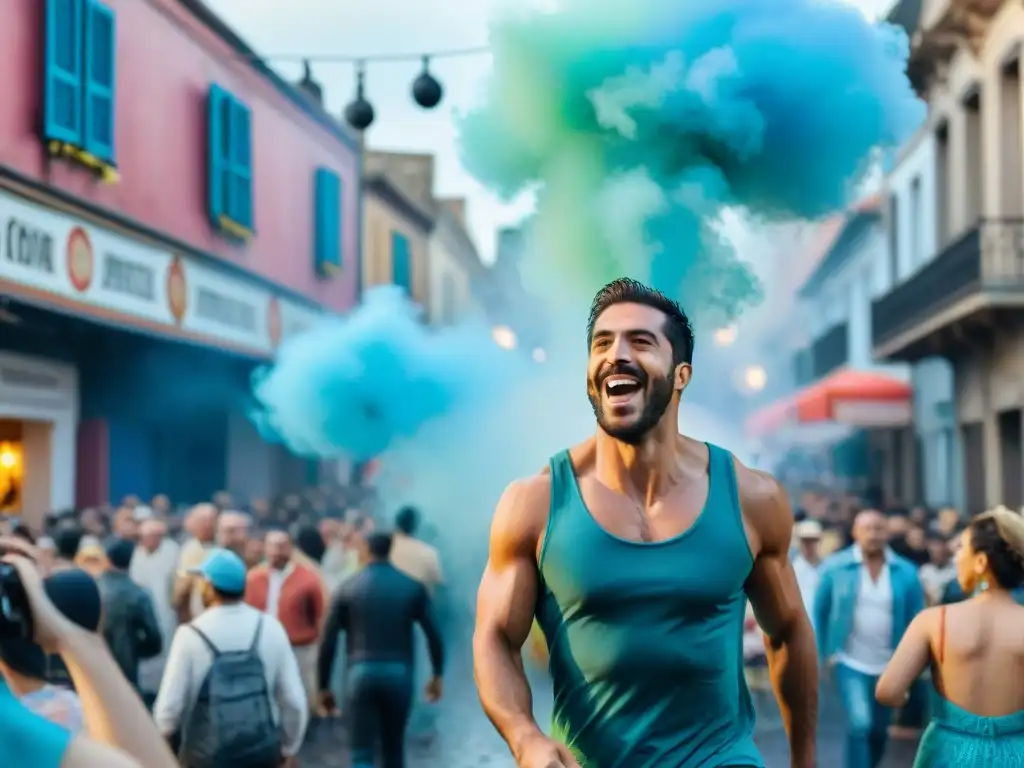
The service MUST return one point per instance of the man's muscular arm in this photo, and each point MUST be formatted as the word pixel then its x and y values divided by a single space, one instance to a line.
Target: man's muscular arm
pixel 505 604
pixel 775 597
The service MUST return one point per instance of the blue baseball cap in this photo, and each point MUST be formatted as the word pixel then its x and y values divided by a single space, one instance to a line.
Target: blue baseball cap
pixel 224 570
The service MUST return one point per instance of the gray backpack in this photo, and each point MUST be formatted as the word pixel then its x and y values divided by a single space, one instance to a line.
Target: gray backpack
pixel 231 723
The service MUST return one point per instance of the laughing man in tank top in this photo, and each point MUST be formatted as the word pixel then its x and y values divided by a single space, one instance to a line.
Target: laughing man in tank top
pixel 637 552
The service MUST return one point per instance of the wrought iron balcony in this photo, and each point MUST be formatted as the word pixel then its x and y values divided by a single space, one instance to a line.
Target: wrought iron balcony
pixel 830 351
pixel 981 270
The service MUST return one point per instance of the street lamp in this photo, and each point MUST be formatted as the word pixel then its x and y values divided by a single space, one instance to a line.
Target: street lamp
pixel 724 337
pixel 504 337
pixel 755 378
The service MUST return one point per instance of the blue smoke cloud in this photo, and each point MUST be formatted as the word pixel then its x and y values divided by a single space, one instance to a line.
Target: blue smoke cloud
pixel 639 123
pixel 355 386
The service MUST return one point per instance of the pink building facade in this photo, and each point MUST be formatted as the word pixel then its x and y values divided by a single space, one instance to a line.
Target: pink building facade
pixel 170 210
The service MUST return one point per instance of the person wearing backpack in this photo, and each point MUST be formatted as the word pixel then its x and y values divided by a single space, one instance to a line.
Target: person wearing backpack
pixel 232 695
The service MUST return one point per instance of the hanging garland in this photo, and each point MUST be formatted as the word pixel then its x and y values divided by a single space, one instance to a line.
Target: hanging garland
pixel 426 89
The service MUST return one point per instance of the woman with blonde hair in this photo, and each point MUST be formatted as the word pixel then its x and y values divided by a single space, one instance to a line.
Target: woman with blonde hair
pixel 976 652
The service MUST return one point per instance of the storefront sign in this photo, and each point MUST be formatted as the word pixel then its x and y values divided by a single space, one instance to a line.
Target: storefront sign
pixel 129 278
pixel 225 310
pixel 97 270
pixel 28 246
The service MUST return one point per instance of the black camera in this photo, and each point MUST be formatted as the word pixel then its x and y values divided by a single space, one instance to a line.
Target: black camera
pixel 74 592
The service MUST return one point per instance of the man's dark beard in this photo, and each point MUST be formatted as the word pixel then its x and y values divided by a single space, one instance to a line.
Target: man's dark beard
pixel 657 399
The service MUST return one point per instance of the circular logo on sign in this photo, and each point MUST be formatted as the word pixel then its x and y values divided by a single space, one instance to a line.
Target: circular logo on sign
pixel 177 289
pixel 80 259
pixel 274 322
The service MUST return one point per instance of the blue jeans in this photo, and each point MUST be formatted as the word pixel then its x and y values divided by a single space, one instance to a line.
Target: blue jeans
pixel 867 721
pixel 379 698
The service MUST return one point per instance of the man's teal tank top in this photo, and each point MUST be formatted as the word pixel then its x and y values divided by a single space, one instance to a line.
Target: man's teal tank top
pixel 645 640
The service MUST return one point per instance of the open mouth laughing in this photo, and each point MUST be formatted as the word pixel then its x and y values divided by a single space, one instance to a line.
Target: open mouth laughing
pixel 620 389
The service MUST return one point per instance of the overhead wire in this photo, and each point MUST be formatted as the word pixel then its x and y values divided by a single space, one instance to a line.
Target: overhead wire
pixel 450 53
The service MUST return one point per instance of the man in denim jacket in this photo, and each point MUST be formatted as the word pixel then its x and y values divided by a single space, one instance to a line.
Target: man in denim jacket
pixel 866 599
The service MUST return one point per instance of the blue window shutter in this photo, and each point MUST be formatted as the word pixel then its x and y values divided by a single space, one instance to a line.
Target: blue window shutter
pixel 339 220
pixel 327 228
pixel 62 112
pixel 240 157
pixel 216 165
pixel 400 267
pixel 319 221
pixel 100 80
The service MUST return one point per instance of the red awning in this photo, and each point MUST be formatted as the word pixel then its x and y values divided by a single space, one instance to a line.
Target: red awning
pixel 861 398
pixel 850 397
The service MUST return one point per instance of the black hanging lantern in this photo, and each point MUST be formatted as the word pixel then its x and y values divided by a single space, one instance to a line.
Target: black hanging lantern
pixel 359 112
pixel 426 90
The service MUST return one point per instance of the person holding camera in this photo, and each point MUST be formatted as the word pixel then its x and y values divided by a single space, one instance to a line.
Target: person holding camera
pixel 119 732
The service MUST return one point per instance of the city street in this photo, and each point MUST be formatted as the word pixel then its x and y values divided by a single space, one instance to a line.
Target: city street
pixel 465 739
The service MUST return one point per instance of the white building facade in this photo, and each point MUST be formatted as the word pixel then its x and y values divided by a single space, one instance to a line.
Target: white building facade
pixel 912 230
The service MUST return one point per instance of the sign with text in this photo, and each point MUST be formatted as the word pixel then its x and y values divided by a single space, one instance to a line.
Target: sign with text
pixel 117 277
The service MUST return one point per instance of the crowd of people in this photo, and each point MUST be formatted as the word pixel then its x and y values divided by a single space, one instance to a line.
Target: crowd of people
pixel 226 621
pixel 878 584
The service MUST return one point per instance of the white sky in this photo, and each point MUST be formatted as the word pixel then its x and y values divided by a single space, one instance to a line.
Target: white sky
pixel 334 28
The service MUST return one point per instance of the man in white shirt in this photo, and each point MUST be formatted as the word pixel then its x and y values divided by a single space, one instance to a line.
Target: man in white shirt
pixel 153 567
pixel 231 625
pixel 807 560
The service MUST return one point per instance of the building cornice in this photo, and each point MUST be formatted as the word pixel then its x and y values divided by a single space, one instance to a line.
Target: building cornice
pixel 391 195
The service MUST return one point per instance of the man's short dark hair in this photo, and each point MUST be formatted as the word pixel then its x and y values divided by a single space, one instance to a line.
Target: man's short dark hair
pixel 407 520
pixel 379 545
pixel 67 539
pixel 677 327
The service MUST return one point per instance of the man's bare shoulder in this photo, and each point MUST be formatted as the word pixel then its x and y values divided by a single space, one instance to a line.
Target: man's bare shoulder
pixel 525 504
pixel 527 495
pixel 764 503
pixel 756 487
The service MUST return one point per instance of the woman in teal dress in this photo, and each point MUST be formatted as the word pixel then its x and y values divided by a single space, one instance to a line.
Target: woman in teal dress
pixel 976 652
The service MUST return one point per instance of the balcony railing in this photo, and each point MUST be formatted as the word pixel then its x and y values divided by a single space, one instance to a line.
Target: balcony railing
pixel 989 257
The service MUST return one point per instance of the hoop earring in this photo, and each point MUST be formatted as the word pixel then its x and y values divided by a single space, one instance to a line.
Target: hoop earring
pixel 983 585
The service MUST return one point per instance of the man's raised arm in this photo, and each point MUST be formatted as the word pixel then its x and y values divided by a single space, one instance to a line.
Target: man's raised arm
pixel 505 604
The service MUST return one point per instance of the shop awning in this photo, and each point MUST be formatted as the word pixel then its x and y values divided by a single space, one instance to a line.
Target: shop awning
pixel 848 397
pixel 858 398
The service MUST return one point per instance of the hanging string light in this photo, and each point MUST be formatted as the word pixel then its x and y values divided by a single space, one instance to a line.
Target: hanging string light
pixel 359 112
pixel 427 91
